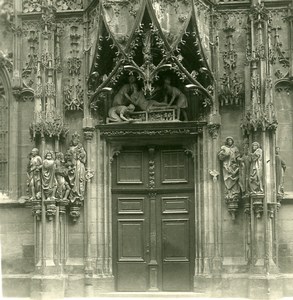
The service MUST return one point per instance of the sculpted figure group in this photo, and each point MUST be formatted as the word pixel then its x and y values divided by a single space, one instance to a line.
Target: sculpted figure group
pixel 129 97
pixel 244 173
pixel 58 178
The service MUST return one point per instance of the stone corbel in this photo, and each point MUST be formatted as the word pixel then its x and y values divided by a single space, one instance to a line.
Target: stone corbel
pixel 232 205
pixel 37 208
pixel 88 133
pixel 257 203
pixel 247 206
pixel 214 175
pixel 272 208
pixel 51 209
pixel 213 129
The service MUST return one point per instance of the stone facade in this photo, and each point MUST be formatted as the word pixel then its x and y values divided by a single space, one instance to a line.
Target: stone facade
pixel 100 101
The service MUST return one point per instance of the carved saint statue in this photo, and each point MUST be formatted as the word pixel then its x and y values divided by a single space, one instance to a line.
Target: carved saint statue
pixel 120 113
pixel 34 174
pixel 49 183
pixel 63 188
pixel 229 155
pixel 173 94
pixel 76 159
pixel 256 169
pixel 280 170
pixel 244 163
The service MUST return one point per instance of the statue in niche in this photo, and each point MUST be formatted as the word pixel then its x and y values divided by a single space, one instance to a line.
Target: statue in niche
pixel 138 99
pixel 244 164
pixel 122 97
pixel 63 188
pixel 280 170
pixel 256 169
pixel 229 155
pixel 34 174
pixel 121 113
pixel 75 163
pixel 49 183
pixel 173 94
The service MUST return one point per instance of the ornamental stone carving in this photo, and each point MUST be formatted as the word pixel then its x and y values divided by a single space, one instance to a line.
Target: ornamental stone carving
pixel 229 155
pixel 59 181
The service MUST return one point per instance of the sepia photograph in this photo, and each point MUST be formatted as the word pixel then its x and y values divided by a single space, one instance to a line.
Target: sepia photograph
pixel 146 149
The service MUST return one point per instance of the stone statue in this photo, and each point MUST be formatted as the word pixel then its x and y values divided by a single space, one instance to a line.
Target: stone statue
pixel 122 97
pixel 256 169
pixel 63 188
pixel 138 99
pixel 75 163
pixel 49 183
pixel 173 94
pixel 229 155
pixel 120 113
pixel 34 174
pixel 244 164
pixel 280 170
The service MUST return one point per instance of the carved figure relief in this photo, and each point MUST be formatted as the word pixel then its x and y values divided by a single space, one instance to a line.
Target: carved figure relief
pixel 34 175
pixel 173 94
pixel 63 189
pixel 256 169
pixel 130 100
pixel 49 183
pixel 120 113
pixel 280 170
pixel 76 164
pixel 229 155
pixel 59 181
pixel 244 164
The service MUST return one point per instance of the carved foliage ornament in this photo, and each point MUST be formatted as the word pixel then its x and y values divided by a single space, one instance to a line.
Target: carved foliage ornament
pixel 48 125
pixel 166 42
pixel 30 6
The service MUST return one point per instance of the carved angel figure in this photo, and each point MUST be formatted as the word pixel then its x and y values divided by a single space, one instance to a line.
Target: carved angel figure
pixel 229 155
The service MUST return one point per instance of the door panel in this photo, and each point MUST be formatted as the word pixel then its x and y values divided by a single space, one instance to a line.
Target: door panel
pixel 154 246
pixel 132 265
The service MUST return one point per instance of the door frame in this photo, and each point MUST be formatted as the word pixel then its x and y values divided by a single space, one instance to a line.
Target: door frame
pixel 154 282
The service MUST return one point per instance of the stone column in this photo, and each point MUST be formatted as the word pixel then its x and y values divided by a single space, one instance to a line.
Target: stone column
pixel 89 210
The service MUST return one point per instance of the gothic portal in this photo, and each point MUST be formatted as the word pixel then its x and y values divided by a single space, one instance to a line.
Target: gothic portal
pixel 146 146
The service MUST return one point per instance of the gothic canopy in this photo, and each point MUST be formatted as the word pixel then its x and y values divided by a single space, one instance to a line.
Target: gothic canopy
pixel 147 39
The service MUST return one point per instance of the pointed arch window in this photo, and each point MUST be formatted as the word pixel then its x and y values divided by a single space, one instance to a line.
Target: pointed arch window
pixel 4 125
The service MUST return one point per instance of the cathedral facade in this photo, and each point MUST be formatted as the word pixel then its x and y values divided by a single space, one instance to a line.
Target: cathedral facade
pixel 146 146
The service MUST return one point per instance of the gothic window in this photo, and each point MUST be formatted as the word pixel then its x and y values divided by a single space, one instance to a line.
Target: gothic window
pixel 3 139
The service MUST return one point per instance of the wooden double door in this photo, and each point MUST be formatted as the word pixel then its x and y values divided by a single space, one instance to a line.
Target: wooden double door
pixel 153 219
